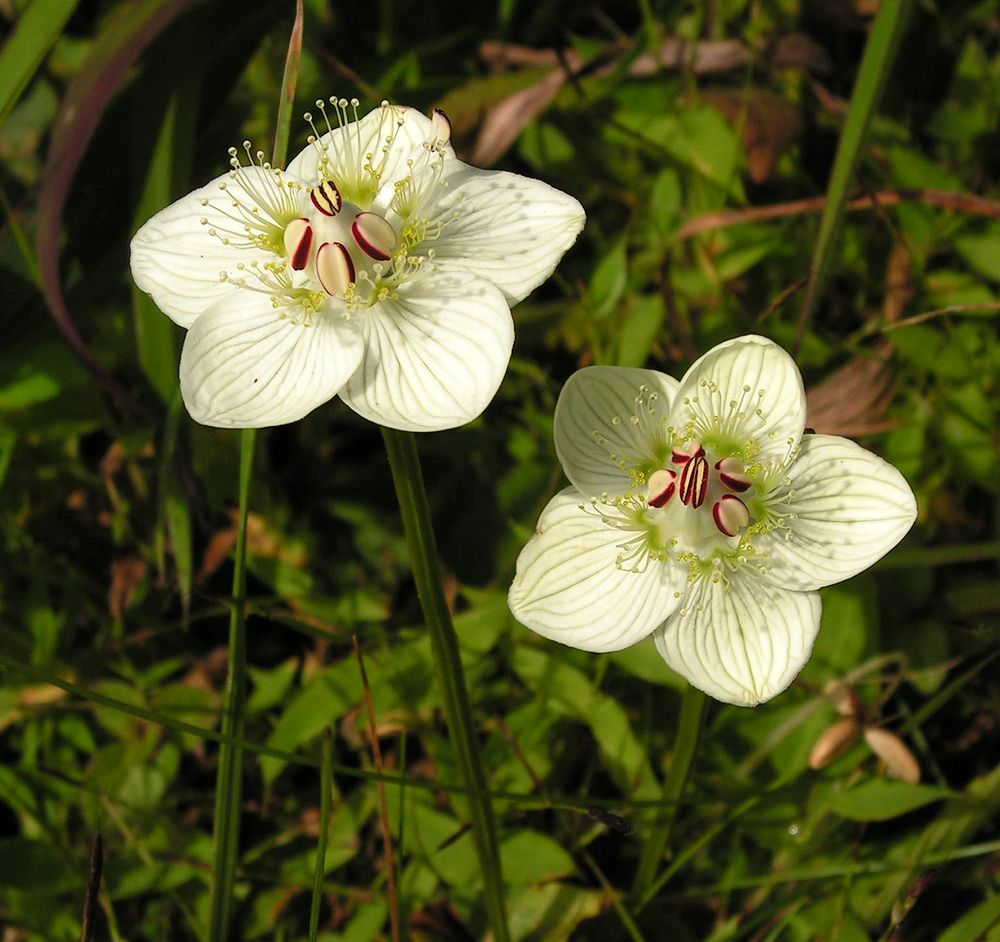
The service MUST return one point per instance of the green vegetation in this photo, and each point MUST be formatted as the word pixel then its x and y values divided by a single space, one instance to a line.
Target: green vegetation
pixel 825 174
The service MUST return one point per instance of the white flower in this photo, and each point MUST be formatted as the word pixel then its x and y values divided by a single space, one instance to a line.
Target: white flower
pixel 378 267
pixel 701 514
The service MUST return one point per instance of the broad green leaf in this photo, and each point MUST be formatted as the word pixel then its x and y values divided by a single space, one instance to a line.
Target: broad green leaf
pixel 321 702
pixel 641 327
pixel 552 911
pixel 883 799
pixel 532 857
pixel 38 376
pixel 982 922
pixel 608 280
pixel 981 250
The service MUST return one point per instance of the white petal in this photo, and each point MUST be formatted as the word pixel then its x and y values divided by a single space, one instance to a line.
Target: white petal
pixel 509 229
pixel 351 146
pixel 844 509
pixel 742 643
pixel 745 389
pixel 245 366
pixel 177 261
pixel 568 587
pixel 606 425
pixel 434 358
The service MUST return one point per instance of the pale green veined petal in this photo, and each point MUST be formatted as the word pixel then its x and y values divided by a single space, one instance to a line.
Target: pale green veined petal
pixel 434 357
pixel 741 642
pixel 610 420
pixel 744 390
pixel 245 366
pixel 177 260
pixel 509 229
pixel 843 509
pixel 568 587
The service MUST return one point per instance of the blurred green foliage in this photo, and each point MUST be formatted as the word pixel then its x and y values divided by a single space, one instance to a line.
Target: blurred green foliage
pixel 700 138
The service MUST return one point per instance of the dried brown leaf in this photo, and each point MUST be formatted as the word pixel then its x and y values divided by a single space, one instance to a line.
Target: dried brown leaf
pixel 853 400
pixel 894 753
pixel 842 697
pixel 505 121
pixel 39 696
pixel 127 575
pixel 833 742
pixel 770 125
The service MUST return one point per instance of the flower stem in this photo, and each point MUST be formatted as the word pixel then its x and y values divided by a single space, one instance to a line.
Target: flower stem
pixel 229 780
pixel 409 481
pixel 685 747
pixel 326 787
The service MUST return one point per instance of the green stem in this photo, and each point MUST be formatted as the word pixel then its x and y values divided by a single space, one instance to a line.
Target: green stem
pixel 326 787
pixel 873 74
pixel 409 481
pixel 229 782
pixel 685 747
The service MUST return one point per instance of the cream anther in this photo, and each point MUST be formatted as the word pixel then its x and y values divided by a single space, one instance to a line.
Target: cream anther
pixel 334 268
pixel 730 514
pixel 661 487
pixel 374 236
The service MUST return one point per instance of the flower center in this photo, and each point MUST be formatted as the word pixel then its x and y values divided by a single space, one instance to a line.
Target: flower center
pixel 338 243
pixel 697 493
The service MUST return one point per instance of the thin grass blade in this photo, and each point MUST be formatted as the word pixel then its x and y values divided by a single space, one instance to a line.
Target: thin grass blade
pixel 876 64
pixel 37 29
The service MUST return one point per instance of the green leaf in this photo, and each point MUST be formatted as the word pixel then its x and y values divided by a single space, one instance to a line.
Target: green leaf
pixel 982 922
pixel 324 700
pixel 33 865
pixel 640 329
pixel 882 799
pixel 38 27
pixel 571 692
pixel 608 280
pixel 981 250
pixel 38 376
pixel 552 911
pixel 531 857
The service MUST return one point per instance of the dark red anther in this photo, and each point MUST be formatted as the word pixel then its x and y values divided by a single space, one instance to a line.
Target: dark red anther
pixel 693 484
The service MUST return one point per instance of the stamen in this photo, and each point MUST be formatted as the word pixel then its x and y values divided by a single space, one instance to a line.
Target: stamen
pixel 334 268
pixel 375 237
pixel 662 485
pixel 730 514
pixel 694 480
pixel 326 198
pixel 732 474
pixel 298 239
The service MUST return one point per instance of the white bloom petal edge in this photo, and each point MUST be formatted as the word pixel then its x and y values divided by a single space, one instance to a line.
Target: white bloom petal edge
pixel 743 643
pixel 843 511
pixel 433 358
pixel 607 421
pixel 177 260
pixel 569 589
pixel 508 229
pixel 753 387
pixel 245 366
